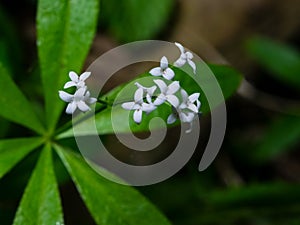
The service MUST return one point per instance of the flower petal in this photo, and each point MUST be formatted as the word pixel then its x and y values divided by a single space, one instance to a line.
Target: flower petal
pixel 184 95
pixel 71 108
pixel 187 117
pixel 84 76
pixel 148 108
pixel 79 94
pixel 181 48
pixel 160 100
pixel 128 105
pixel 70 84
pixel 151 90
pixel 193 108
pixel 171 118
pixel 73 76
pixel 156 71
pixel 65 96
pixel 194 97
pixel 192 64
pixel 137 116
pixel 180 62
pixel 189 55
pixel 83 106
pixel 164 64
pixel 162 85
pixel 138 95
pixel 173 100
pixel 91 100
pixel 173 88
pixel 168 74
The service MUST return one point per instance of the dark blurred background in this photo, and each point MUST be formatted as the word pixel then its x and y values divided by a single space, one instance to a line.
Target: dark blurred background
pixel 255 178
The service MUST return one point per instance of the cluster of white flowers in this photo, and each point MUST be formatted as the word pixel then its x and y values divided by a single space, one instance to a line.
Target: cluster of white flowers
pixel 81 98
pixel 185 110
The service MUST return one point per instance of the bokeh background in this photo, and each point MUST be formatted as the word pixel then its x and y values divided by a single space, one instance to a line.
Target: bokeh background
pixel 255 178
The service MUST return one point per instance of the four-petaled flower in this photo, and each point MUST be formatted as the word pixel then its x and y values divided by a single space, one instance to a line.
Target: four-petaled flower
pixel 185 57
pixel 138 105
pixel 81 100
pixel 77 81
pixel 188 101
pixel 149 90
pixel 163 70
pixel 167 93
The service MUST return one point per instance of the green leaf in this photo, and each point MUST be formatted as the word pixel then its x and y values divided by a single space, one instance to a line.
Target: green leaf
pixel 279 137
pixel 13 151
pixel 134 20
pixel 65 32
pixel 282 61
pixel 109 203
pixel 40 204
pixel 227 78
pixel 14 105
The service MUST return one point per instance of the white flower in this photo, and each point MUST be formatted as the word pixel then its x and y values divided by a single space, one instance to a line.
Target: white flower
pixel 138 105
pixel 184 116
pixel 167 93
pixel 163 70
pixel 149 90
pixel 81 99
pixel 188 101
pixel 185 57
pixel 77 81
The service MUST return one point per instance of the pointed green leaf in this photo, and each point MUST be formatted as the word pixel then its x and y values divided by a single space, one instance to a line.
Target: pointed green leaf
pixel 14 105
pixel 40 204
pixel 142 19
pixel 282 61
pixel 65 32
pixel 109 203
pixel 13 151
pixel 228 80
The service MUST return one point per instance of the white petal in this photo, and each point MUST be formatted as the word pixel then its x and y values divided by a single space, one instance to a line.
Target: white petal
pixel 187 117
pixel 73 76
pixel 173 100
pixel 173 88
pixel 184 95
pixel 168 74
pixel 189 55
pixel 148 107
pixel 65 96
pixel 138 95
pixel 160 100
pixel 156 71
pixel 84 76
pixel 162 85
pixel 128 105
pixel 180 62
pixel 91 100
pixel 181 48
pixel 148 97
pixel 171 119
pixel 137 116
pixel 183 105
pixel 71 108
pixel 198 104
pixel 151 90
pixel 193 65
pixel 69 84
pixel 194 97
pixel 81 84
pixel 80 93
pixel 83 106
pixel 164 64
pixel 193 108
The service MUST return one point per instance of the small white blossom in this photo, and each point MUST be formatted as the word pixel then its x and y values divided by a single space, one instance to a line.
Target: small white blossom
pixel 138 105
pixel 81 100
pixel 163 70
pixel 149 90
pixel 188 101
pixel 77 81
pixel 167 93
pixel 184 116
pixel 185 57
